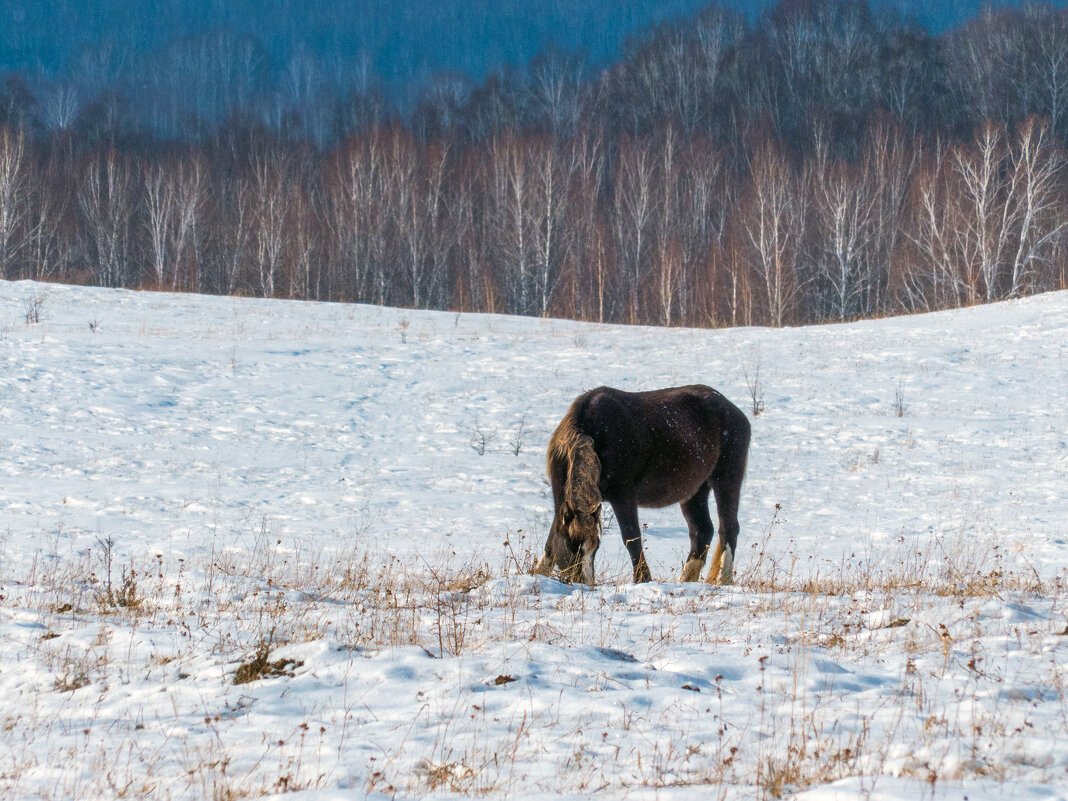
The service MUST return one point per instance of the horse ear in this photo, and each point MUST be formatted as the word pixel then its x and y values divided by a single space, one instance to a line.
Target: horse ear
pixel 583 475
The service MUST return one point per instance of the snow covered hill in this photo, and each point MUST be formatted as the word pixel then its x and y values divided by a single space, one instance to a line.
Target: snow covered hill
pixel 340 503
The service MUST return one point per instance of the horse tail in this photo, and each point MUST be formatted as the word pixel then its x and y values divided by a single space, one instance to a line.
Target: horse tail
pixel 743 438
pixel 733 458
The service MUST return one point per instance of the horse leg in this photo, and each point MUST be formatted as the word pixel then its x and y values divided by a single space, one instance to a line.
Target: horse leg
pixel 627 517
pixel 727 492
pixel 695 510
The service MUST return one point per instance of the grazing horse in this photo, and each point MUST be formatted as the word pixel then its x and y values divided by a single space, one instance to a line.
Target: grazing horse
pixel 647 449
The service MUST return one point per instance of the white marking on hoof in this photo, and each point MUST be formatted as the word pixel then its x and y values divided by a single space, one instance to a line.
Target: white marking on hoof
pixel 543 567
pixel 587 569
pixel 691 571
pixel 726 571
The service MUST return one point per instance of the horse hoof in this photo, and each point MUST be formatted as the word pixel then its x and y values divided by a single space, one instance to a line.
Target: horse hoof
pixel 726 570
pixel 691 571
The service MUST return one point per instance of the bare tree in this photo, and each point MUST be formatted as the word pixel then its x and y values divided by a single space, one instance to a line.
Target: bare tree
pixel 889 160
pixel 106 199
pixel 549 184
pixel 1051 66
pixel 514 219
pixel 1037 207
pixel 270 215
pixel 437 220
pixel 984 224
pixel 188 192
pixel 844 206
pixel 48 250
pixel 356 216
pixel 230 232
pixel 930 280
pixel 976 67
pixel 555 90
pixel 383 205
pixel 303 282
pixel 583 266
pixel 906 76
pixel 159 219
pixel 670 256
pixel 173 199
pixel 13 198
pixel 632 214
pixel 772 221
pixel 60 107
pixel 408 185
pixel 709 196
pixel 469 290
pixel 819 57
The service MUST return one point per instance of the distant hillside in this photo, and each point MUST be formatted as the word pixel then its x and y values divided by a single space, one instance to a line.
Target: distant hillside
pixel 403 41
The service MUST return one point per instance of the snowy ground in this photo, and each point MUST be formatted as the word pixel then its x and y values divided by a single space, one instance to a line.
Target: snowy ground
pixel 354 494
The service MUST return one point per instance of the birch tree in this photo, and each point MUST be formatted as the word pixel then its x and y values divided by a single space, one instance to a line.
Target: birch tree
pixel 13 199
pixel 772 221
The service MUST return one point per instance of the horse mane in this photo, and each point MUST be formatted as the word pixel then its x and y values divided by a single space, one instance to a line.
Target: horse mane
pixel 569 447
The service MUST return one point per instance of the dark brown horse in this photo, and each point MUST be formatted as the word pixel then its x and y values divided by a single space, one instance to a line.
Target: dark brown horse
pixel 645 449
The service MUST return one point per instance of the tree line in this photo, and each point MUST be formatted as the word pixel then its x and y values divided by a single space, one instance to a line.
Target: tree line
pixel 827 162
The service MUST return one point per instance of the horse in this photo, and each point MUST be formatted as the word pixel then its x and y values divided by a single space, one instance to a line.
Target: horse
pixel 645 449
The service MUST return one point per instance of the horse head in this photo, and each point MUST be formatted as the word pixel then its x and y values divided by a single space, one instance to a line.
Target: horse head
pixel 576 530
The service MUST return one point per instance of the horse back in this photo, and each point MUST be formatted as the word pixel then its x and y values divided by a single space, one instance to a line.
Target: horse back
pixel 660 447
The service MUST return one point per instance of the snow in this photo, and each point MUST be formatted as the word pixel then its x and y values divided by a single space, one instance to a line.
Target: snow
pixel 340 485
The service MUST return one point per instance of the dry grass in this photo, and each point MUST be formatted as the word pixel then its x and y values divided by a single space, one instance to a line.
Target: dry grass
pixel 245 604
pixel 959 564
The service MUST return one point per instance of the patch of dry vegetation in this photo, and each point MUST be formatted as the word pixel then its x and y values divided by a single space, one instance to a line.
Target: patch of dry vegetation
pixel 921 608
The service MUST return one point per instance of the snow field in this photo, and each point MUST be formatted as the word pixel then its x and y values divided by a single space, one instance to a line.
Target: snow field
pixel 342 502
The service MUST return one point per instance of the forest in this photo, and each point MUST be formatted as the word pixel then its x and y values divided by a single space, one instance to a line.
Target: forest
pixel 827 160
